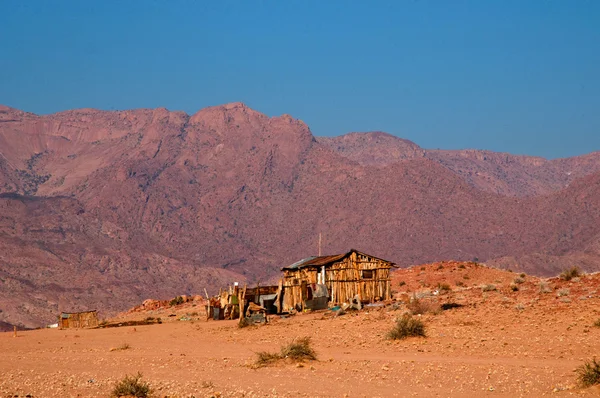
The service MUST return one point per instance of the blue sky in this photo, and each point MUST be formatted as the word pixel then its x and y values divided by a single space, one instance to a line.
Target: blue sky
pixel 515 76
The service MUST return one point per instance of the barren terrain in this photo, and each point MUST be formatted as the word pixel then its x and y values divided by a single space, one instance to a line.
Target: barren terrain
pixel 501 342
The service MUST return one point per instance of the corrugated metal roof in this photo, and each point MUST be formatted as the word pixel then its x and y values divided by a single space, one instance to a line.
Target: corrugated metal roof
pixel 324 260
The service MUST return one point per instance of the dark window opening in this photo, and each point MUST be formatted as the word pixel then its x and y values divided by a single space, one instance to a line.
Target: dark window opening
pixel 367 274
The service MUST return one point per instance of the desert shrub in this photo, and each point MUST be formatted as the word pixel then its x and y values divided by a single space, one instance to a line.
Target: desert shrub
pixel 520 307
pixel 466 277
pixel 440 267
pixel 563 292
pixel 588 374
pixel 299 350
pixel 570 273
pixel 488 288
pixel 419 306
pixel 545 287
pixel 519 280
pixel 122 347
pixel 402 283
pixel 207 384
pixel 523 275
pixel 514 287
pixel 461 266
pixel 459 283
pixel 597 323
pixel 444 287
pixel 407 326
pixel 176 301
pixel 264 358
pixel 131 386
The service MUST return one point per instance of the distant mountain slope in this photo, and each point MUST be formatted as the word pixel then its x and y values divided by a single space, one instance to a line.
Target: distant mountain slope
pixel 103 209
pixel 495 172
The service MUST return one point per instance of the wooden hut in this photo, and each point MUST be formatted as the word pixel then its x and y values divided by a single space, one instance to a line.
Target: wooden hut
pixel 344 276
pixel 78 320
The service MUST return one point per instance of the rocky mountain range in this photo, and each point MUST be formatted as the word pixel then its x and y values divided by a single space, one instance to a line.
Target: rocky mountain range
pixel 104 209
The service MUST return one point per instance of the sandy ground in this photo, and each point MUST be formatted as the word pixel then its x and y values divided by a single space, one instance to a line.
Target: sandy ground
pixel 501 343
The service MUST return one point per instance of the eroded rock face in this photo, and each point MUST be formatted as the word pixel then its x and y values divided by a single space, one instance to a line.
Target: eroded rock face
pixel 105 209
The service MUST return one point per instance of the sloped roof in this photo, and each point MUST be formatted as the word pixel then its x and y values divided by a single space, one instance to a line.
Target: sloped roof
pixel 325 260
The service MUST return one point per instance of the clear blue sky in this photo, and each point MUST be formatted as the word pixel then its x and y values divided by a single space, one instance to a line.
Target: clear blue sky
pixel 519 76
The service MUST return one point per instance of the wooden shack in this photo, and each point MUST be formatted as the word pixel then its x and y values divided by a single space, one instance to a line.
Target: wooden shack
pixel 78 320
pixel 345 276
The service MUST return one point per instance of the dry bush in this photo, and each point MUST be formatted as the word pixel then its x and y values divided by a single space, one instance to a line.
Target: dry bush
pixel 444 287
pixel 122 347
pixel 519 279
pixel 545 287
pixel 461 266
pixel 419 306
pixel 597 323
pixel 207 384
pixel 407 326
pixel 299 350
pixel 563 292
pixel 488 288
pixel 514 287
pixel 131 386
pixel 264 358
pixel 570 273
pixel 588 374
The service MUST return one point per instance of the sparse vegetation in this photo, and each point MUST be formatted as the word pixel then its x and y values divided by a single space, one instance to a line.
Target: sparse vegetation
pixel 588 374
pixel 514 287
pixel 419 306
pixel 570 273
pixel 520 307
pixel 563 292
pixel 440 267
pixel 122 347
pixel 519 280
pixel 444 287
pixel 597 323
pixel 488 288
pixel 461 266
pixel 407 326
pixel 466 277
pixel 176 301
pixel 460 283
pixel 545 287
pixel 207 384
pixel 402 283
pixel 131 386
pixel 297 350
pixel 522 275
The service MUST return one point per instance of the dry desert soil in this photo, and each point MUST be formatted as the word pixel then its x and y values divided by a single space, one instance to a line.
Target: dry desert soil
pixel 501 343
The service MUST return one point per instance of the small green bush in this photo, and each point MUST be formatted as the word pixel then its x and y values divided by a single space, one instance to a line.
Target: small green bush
pixel 588 374
pixel 407 326
pixel 131 386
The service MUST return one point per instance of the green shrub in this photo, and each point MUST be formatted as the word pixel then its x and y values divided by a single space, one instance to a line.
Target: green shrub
pixel 131 386
pixel 407 326
pixel 588 374
pixel 570 273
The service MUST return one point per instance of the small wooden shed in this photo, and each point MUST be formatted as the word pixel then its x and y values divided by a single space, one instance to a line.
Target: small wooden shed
pixel 341 277
pixel 78 320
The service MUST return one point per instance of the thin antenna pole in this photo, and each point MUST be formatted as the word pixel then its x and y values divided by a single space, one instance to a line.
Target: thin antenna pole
pixel 319 244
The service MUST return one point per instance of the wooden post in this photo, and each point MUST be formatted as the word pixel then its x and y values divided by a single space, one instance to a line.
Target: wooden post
pixel 241 301
pixel 205 292
pixel 15 331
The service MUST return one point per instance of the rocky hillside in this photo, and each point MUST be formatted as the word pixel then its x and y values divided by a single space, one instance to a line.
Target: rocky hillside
pixel 104 209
